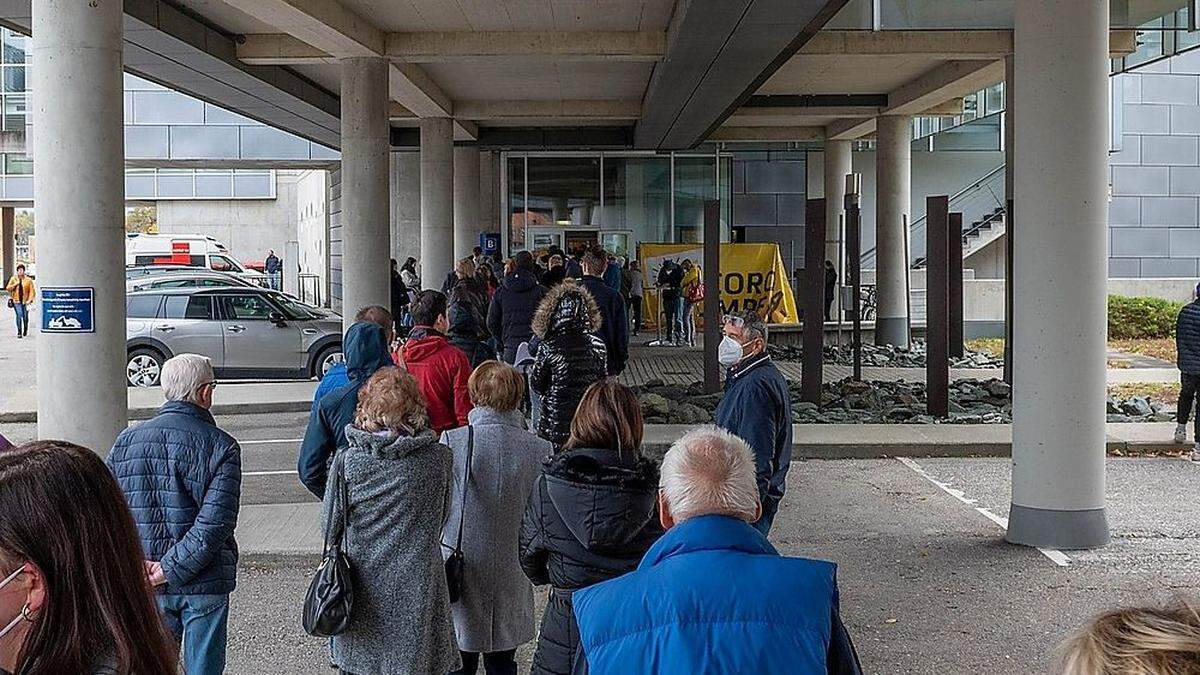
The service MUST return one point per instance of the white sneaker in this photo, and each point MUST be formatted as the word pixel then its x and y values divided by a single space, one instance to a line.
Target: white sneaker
pixel 1180 434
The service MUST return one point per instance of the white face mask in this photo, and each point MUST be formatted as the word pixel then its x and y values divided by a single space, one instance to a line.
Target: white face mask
pixel 729 352
pixel 21 616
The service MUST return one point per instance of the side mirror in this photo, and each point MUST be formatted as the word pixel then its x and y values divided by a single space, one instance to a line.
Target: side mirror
pixel 277 319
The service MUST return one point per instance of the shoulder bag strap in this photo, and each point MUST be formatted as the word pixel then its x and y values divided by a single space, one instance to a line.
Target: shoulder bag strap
pixel 345 508
pixel 462 508
pixel 335 534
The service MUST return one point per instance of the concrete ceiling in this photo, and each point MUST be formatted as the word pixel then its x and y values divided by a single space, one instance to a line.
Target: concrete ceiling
pixel 847 74
pixel 543 81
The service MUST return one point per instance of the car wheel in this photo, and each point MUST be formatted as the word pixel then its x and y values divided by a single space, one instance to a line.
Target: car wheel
pixel 328 358
pixel 144 367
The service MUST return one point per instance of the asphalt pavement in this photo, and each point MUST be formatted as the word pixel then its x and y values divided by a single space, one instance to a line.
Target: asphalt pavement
pixel 927 583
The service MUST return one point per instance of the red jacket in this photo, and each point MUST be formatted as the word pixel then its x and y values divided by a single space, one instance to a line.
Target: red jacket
pixel 441 371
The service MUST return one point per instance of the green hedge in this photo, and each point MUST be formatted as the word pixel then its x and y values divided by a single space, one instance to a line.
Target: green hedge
pixel 1133 318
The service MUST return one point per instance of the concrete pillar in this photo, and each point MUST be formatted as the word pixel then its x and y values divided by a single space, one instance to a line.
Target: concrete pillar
pixel 79 194
pixel 837 165
pixel 8 240
pixel 437 200
pixel 466 200
pixel 406 204
pixel 1010 191
pixel 489 191
pixel 366 231
pixel 893 179
pixel 1060 269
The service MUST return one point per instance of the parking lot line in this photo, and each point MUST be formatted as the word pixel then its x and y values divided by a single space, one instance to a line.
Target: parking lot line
pixel 282 472
pixel 269 442
pixel 1057 557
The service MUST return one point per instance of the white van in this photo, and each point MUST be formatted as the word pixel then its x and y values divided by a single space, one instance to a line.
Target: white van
pixel 191 250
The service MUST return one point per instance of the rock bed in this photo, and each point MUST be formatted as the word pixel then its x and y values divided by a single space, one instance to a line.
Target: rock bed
pixel 887 356
pixel 852 402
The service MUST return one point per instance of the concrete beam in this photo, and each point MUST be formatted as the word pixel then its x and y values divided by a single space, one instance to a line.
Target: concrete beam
pixel 796 133
pixel 450 47
pixel 948 81
pixel 749 113
pixel 279 50
pixel 946 44
pixel 332 28
pixel 561 109
pixel 951 108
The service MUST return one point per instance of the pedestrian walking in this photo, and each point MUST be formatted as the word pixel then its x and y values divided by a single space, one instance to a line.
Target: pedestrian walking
pixel 20 298
pixel 399 292
pixel 691 294
pixel 591 516
pixel 182 476
pixel 273 266
pixel 73 591
pixel 495 463
pixel 713 595
pixel 637 288
pixel 757 407
pixel 441 370
pixel 510 315
pixel 366 349
pixel 614 322
pixel 570 357
pixel 670 279
pixel 1187 350
pixel 395 478
pixel 831 282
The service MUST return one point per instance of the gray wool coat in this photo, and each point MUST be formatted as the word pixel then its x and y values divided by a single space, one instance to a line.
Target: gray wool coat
pixel 496 610
pixel 398 487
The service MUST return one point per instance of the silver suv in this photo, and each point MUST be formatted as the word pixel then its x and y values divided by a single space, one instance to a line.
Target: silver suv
pixel 247 332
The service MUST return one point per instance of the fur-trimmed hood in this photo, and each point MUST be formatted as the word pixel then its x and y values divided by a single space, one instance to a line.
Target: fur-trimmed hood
pixel 567 308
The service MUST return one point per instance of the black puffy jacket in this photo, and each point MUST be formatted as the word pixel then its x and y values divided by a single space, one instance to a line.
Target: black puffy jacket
pixel 1187 338
pixel 570 357
pixel 510 316
pixel 464 334
pixel 591 517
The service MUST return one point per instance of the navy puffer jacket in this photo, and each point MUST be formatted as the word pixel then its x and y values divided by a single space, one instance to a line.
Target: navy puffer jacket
pixel 1187 338
pixel 182 477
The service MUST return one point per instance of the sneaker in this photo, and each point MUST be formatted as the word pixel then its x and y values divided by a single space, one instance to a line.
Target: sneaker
pixel 1180 434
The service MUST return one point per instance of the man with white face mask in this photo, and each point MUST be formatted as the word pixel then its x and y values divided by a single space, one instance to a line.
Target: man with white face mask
pixel 757 407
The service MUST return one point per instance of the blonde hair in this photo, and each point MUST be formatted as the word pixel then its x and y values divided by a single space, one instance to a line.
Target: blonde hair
pixel 496 385
pixel 1137 641
pixel 390 399
pixel 465 268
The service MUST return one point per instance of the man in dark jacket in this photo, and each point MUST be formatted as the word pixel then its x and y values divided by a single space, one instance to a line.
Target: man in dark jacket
pixel 831 282
pixel 688 606
pixel 366 349
pixel 1187 349
pixel 464 334
pixel 273 266
pixel 614 321
pixel 399 291
pixel 182 477
pixel 511 313
pixel 440 369
pixel 336 376
pixel 670 283
pixel 757 407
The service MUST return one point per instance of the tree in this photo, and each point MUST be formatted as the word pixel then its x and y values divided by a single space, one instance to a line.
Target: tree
pixel 23 225
pixel 141 219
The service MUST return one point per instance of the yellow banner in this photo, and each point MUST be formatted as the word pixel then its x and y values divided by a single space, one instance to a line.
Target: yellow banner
pixel 752 278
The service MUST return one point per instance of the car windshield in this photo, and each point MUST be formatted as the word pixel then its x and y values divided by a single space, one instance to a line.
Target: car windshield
pixel 222 263
pixel 295 309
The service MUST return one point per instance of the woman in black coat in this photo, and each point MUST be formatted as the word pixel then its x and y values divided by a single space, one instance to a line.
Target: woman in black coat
pixel 464 334
pixel 591 517
pixel 570 356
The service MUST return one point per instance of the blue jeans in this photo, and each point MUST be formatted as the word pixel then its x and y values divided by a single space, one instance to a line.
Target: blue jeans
pixel 275 280
pixel 200 621
pixel 22 312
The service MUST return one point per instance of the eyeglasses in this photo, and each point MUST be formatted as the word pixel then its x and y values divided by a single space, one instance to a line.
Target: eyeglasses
pixel 212 384
pixel 737 321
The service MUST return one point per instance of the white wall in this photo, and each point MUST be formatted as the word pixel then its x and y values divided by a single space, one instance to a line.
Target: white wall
pixel 247 226
pixel 312 225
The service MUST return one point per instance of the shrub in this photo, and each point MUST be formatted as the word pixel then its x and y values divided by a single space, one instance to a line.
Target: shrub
pixel 1136 318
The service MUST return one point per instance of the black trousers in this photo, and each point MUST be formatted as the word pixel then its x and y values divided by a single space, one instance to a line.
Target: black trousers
pixel 670 302
pixel 635 310
pixel 1187 393
pixel 494 663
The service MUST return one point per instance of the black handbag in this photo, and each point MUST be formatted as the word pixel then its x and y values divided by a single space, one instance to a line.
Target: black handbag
pixel 455 564
pixel 329 602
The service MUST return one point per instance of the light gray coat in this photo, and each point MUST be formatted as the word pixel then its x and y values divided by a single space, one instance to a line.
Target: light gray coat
pixel 496 611
pixel 398 487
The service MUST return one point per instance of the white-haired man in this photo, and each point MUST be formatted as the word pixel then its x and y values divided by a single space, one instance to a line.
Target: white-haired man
pixel 712 595
pixel 182 477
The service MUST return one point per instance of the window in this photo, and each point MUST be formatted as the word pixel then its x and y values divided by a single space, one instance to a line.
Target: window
pixel 174 283
pixel 222 263
pixel 17 164
pixel 142 306
pixel 167 259
pixel 188 307
pixel 294 309
pixel 247 307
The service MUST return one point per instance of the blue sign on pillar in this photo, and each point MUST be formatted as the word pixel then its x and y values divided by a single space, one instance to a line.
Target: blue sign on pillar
pixel 68 310
pixel 489 242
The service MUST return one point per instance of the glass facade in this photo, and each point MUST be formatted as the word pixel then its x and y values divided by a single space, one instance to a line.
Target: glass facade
pixel 617 199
